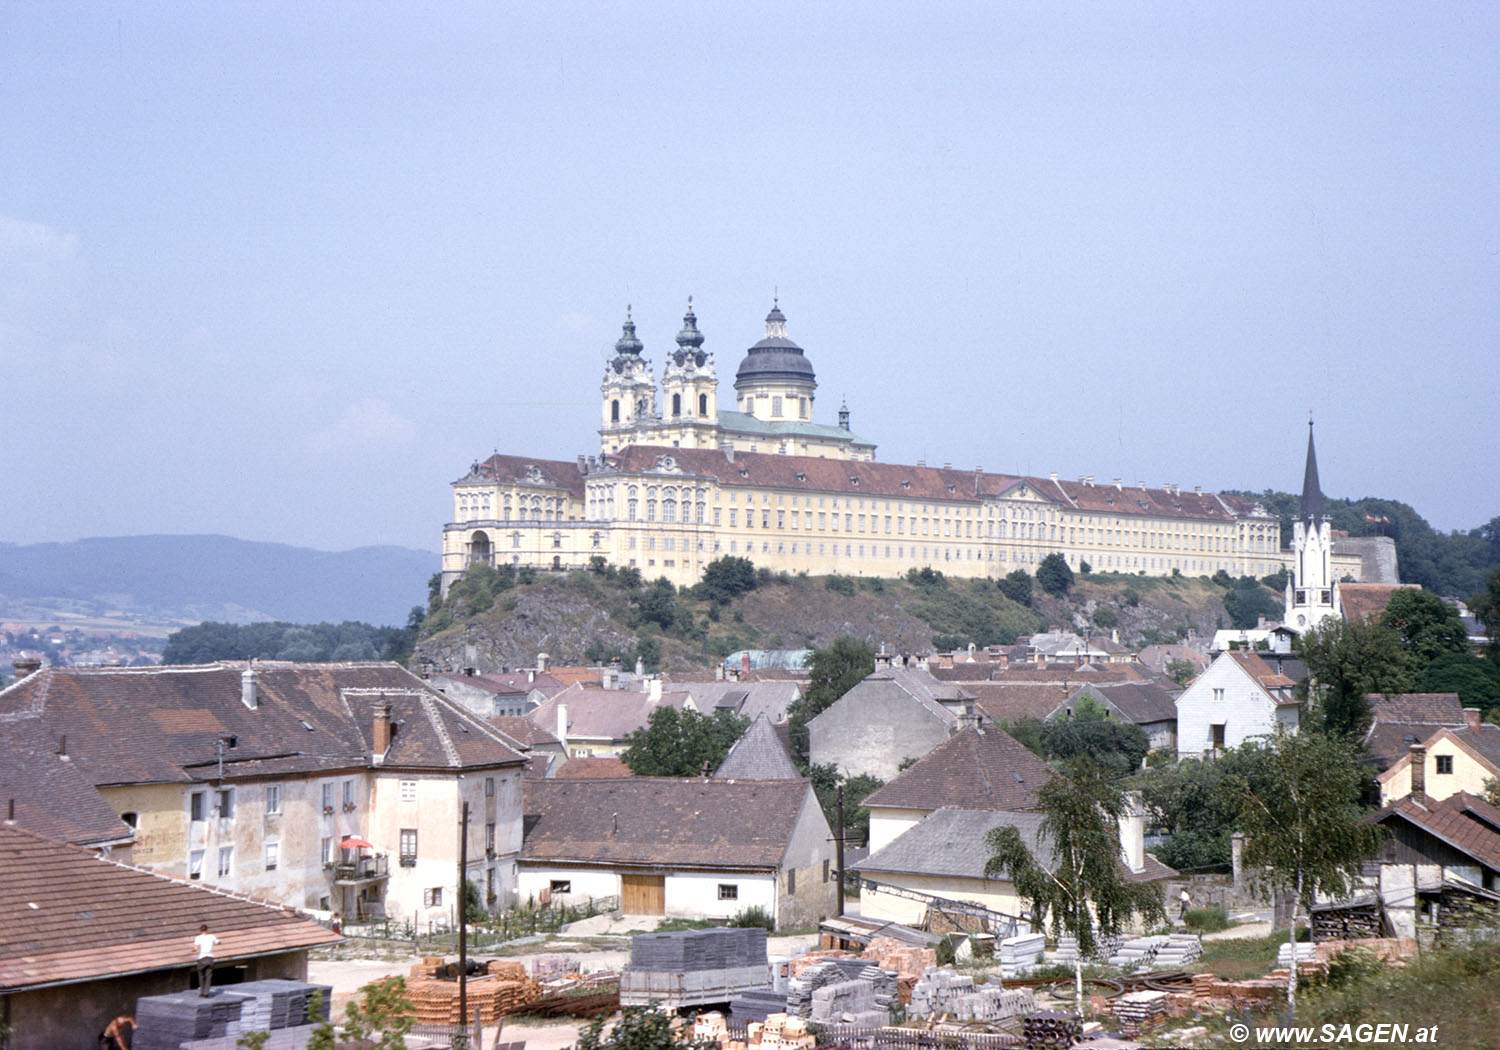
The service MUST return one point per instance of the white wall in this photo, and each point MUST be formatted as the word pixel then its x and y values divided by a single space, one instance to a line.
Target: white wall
pixel 586 883
pixel 886 825
pixel 695 895
pixel 1246 711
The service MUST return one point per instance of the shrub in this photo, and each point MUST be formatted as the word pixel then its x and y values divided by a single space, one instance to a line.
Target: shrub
pixel 840 585
pixel 1207 919
pixel 1106 616
pixel 754 916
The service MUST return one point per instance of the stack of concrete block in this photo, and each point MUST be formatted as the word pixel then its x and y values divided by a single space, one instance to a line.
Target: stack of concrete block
pixel 942 991
pixel 1306 950
pixel 756 1005
pixel 1180 949
pixel 1019 955
pixel 1067 948
pixel 799 990
pixel 848 1002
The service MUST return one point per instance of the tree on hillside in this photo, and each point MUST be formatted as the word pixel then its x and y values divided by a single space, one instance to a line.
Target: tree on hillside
pixel 1486 606
pixel 833 671
pixel 1347 661
pixel 1427 626
pixel 1305 831
pixel 727 578
pixel 658 604
pixel 679 743
pixel 1247 601
pixel 1078 875
pixel 1053 575
pixel 1016 586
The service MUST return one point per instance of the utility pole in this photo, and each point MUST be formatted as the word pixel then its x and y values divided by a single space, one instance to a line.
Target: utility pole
pixel 838 846
pixel 463 907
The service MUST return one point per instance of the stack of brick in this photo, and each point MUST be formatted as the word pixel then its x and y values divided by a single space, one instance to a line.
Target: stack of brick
pixel 436 1002
pixel 780 1032
pixel 1138 1010
pixel 812 958
pixel 892 954
pixel 545 967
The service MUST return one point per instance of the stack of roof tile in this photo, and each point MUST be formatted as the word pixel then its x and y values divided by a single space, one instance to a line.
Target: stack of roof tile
pixel 437 1002
pixel 693 950
pixel 1138 1010
pixel 167 1021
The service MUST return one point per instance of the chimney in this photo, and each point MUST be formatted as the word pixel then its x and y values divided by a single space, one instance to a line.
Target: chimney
pixel 62 747
pixel 744 664
pixel 1474 717
pixel 610 678
pixel 562 726
pixel 541 662
pixel 380 736
pixel 530 675
pixel 653 689
pixel 968 718
pixel 249 695
pixel 1419 774
pixel 26 666
pixel 718 672
pixel 1118 485
pixel 1133 831
pixel 10 812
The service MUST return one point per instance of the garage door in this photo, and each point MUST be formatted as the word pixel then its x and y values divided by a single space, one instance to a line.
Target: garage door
pixel 643 894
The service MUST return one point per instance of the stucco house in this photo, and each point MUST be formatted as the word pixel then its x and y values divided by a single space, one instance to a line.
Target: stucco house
pixel 85 936
pixel 691 848
pixel 1239 698
pixel 597 723
pixel 1449 761
pixel 329 787
pixel 890 716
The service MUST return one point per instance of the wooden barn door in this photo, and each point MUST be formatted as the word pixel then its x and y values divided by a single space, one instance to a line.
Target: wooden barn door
pixel 643 894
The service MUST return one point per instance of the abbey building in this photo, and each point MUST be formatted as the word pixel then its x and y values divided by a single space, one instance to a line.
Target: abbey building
pixel 681 480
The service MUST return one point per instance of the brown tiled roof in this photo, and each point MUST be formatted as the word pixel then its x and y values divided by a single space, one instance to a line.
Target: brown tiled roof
pixel 523 730
pixel 1256 668
pixel 1367 601
pixel 133 725
pixel 52 797
pixel 593 769
pixel 68 915
pixel 898 481
pixel 1432 709
pixel 497 684
pixel 1029 672
pixel 602 714
pixel 1448 821
pixel 514 470
pixel 1012 702
pixel 567 676
pixel 973 769
pixel 662 821
pixel 1485 742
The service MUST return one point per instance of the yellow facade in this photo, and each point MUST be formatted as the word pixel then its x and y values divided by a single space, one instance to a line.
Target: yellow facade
pixel 1450 767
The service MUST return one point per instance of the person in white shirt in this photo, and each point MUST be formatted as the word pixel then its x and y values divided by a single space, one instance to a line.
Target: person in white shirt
pixel 205 943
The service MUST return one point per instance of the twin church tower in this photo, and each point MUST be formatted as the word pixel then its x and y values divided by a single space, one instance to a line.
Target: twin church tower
pixel 775 389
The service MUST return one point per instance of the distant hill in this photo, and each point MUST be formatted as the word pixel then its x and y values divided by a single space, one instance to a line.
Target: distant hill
pixel 193 578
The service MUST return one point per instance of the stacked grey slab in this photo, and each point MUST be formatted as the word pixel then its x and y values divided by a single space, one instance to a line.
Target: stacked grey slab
pixel 691 950
pixel 1170 951
pixel 165 1022
pixel 1067 949
pixel 1305 950
pixel 941 990
pixel 1020 955
pixel 756 1005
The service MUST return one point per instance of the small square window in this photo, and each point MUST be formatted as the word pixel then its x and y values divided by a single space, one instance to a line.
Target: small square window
pixel 195 864
pixel 561 886
pixel 273 798
pixel 729 891
pixel 273 854
pixel 433 898
pixel 195 805
pixel 489 787
pixel 1444 763
pixel 225 803
pixel 226 861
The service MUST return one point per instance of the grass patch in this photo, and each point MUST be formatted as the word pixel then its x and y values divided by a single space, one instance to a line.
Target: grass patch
pixel 1239 957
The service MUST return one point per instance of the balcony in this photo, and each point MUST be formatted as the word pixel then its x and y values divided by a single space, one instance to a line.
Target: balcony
pixel 361 870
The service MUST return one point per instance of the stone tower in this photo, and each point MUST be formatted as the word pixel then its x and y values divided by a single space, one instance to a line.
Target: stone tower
pixel 628 392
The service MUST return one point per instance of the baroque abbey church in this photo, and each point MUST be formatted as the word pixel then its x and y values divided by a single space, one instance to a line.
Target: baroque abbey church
pixel 681 480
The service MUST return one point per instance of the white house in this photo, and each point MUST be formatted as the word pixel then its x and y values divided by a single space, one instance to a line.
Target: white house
pixel 1237 699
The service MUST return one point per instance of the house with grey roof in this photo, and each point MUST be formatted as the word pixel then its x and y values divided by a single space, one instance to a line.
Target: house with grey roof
pixel 597 723
pixel 760 754
pixel 978 768
pixel 944 856
pixel 749 700
pixel 682 847
pixel 890 716
pixel 1145 704
pixel 328 787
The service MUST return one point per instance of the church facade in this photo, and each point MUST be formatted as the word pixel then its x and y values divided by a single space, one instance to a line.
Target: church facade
pixel 680 481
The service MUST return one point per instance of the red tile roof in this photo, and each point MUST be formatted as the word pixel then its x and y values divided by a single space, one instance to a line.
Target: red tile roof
pixel 593 769
pixel 519 470
pixel 51 795
pixel 1367 601
pixel 1256 668
pixel 68 915
pixel 1450 821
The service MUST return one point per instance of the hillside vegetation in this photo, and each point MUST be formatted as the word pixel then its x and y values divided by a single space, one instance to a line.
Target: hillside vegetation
pixel 502 618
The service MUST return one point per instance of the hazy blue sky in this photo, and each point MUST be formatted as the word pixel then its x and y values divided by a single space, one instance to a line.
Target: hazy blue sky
pixel 283 270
